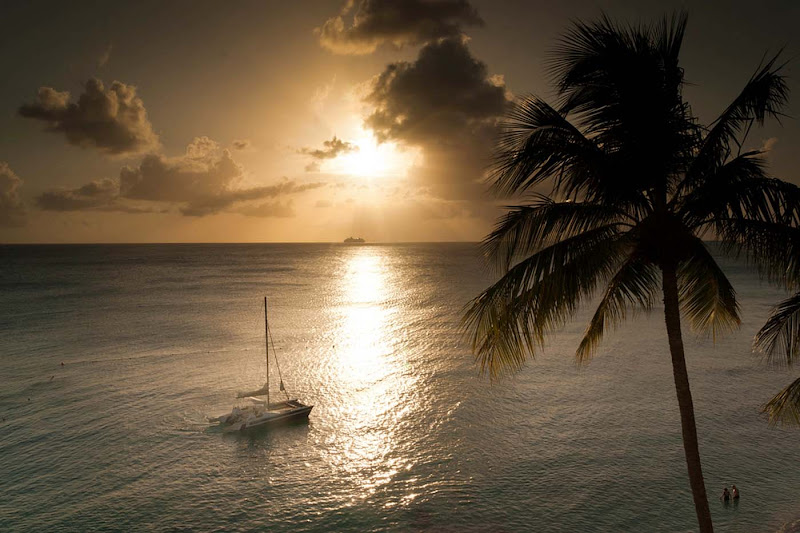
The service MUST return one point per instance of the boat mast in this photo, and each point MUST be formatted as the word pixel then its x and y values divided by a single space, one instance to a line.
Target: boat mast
pixel 266 342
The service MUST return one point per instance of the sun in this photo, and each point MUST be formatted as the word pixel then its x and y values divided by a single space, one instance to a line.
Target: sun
pixel 373 160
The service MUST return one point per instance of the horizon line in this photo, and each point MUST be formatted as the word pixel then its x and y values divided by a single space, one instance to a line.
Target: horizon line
pixel 229 242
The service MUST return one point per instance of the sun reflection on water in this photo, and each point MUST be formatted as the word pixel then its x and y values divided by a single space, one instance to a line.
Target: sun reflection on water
pixel 364 336
pixel 371 373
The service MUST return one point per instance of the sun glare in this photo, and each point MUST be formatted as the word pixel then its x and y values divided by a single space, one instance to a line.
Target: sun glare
pixel 373 160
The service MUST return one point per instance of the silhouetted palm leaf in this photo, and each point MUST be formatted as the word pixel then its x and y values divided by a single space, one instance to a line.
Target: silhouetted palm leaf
pixel 536 144
pixel 528 228
pixel 708 299
pixel 764 95
pixel 512 317
pixel 779 338
pixel 772 246
pixel 635 286
pixel 784 408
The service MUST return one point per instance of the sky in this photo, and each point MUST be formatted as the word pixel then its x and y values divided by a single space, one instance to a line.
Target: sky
pixel 311 121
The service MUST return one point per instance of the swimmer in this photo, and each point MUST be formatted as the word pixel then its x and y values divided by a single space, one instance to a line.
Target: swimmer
pixel 726 495
pixel 735 492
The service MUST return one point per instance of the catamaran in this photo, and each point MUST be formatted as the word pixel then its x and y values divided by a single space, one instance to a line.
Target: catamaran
pixel 256 409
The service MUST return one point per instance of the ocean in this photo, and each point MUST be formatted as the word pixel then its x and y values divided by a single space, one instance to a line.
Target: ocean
pixel 405 434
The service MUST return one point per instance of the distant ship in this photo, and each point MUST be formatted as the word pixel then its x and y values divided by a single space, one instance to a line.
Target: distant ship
pixel 354 239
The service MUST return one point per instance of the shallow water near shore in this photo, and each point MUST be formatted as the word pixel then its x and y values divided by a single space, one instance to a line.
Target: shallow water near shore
pixel 404 434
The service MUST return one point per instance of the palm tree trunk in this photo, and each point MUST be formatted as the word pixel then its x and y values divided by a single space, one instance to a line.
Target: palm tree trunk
pixel 688 428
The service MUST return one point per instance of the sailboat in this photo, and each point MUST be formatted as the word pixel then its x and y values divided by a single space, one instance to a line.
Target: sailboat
pixel 258 411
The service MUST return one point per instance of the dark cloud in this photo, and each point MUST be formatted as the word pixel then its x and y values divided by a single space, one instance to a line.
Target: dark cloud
pixel 397 22
pixel 445 93
pixel 330 149
pixel 446 103
pixel 96 194
pixel 222 201
pixel 203 171
pixel 241 144
pixel 203 181
pixel 12 209
pixel 113 120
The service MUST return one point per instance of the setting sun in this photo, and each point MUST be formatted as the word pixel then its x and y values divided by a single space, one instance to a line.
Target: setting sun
pixel 372 159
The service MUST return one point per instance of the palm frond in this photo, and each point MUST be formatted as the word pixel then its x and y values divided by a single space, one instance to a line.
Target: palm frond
pixel 765 95
pixel 593 63
pixel 537 143
pixel 707 297
pixel 779 338
pixel 670 32
pixel 527 229
pixel 773 247
pixel 739 190
pixel 784 408
pixel 731 186
pixel 635 285
pixel 510 319
pixel 623 86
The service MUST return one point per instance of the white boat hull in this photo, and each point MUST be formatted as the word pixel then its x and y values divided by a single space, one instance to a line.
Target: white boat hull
pixel 258 415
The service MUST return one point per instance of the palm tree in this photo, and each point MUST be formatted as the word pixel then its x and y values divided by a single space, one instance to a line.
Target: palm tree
pixel 635 183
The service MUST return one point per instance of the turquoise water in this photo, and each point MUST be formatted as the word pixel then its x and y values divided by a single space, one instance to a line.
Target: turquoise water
pixel 404 435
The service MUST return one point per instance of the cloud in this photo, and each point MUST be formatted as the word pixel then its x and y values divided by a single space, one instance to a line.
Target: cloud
pixel 96 194
pixel 203 171
pixel 330 149
pixel 102 61
pixel 445 103
pixel 768 145
pixel 214 204
pixel 242 144
pixel 204 181
pixel 269 209
pixel 113 120
pixel 399 23
pixel 322 204
pixel 12 209
pixel 320 96
pixel 445 93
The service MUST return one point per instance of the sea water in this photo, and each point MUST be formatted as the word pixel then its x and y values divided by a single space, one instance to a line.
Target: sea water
pixel 404 436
